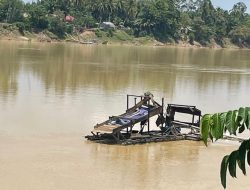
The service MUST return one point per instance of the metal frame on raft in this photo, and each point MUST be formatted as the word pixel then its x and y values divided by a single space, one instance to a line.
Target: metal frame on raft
pixel 119 129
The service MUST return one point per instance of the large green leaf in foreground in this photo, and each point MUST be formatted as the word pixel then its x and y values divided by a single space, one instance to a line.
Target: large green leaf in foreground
pixel 230 122
pixel 214 126
pixel 223 171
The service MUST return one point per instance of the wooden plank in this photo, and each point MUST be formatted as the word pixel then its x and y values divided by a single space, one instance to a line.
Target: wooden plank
pixel 105 129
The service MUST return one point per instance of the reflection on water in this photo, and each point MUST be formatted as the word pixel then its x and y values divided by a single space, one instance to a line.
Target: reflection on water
pixel 9 69
pixel 53 90
pixel 59 78
pixel 169 72
pixel 68 78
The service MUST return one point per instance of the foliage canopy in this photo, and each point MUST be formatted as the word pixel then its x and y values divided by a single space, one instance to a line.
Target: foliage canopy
pixel 165 20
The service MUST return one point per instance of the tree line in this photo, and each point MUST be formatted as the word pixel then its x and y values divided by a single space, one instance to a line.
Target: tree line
pixel 165 20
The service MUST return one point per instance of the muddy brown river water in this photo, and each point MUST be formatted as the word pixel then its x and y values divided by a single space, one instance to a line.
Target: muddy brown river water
pixel 51 95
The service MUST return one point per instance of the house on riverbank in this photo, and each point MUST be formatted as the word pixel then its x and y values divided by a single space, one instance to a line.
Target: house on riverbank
pixel 107 25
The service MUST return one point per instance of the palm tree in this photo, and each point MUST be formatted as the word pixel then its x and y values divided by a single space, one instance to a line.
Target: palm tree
pixel 78 2
pixel 131 8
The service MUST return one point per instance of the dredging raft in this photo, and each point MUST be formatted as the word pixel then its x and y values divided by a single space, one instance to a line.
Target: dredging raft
pixel 133 126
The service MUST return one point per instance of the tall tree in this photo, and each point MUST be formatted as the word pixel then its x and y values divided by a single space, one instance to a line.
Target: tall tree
pixel 160 18
pixel 237 15
pixel 188 5
pixel 11 10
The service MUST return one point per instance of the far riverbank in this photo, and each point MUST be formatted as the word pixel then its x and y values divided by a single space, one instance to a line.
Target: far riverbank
pixel 96 36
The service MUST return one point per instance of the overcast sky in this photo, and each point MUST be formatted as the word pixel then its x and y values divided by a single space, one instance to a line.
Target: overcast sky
pixel 225 4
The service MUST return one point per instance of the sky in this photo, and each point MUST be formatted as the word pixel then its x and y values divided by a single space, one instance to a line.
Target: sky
pixel 228 4
pixel 225 4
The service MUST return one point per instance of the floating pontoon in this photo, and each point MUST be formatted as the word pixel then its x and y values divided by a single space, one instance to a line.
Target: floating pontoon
pixel 121 129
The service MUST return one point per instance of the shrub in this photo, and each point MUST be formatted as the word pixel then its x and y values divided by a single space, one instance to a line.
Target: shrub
pixel 110 32
pixel 21 27
pixel 191 38
pixel 98 33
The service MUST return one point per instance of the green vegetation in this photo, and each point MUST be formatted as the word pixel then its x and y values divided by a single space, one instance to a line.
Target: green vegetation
pixel 163 20
pixel 214 126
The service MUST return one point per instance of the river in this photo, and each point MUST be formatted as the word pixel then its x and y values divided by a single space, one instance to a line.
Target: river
pixel 51 96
